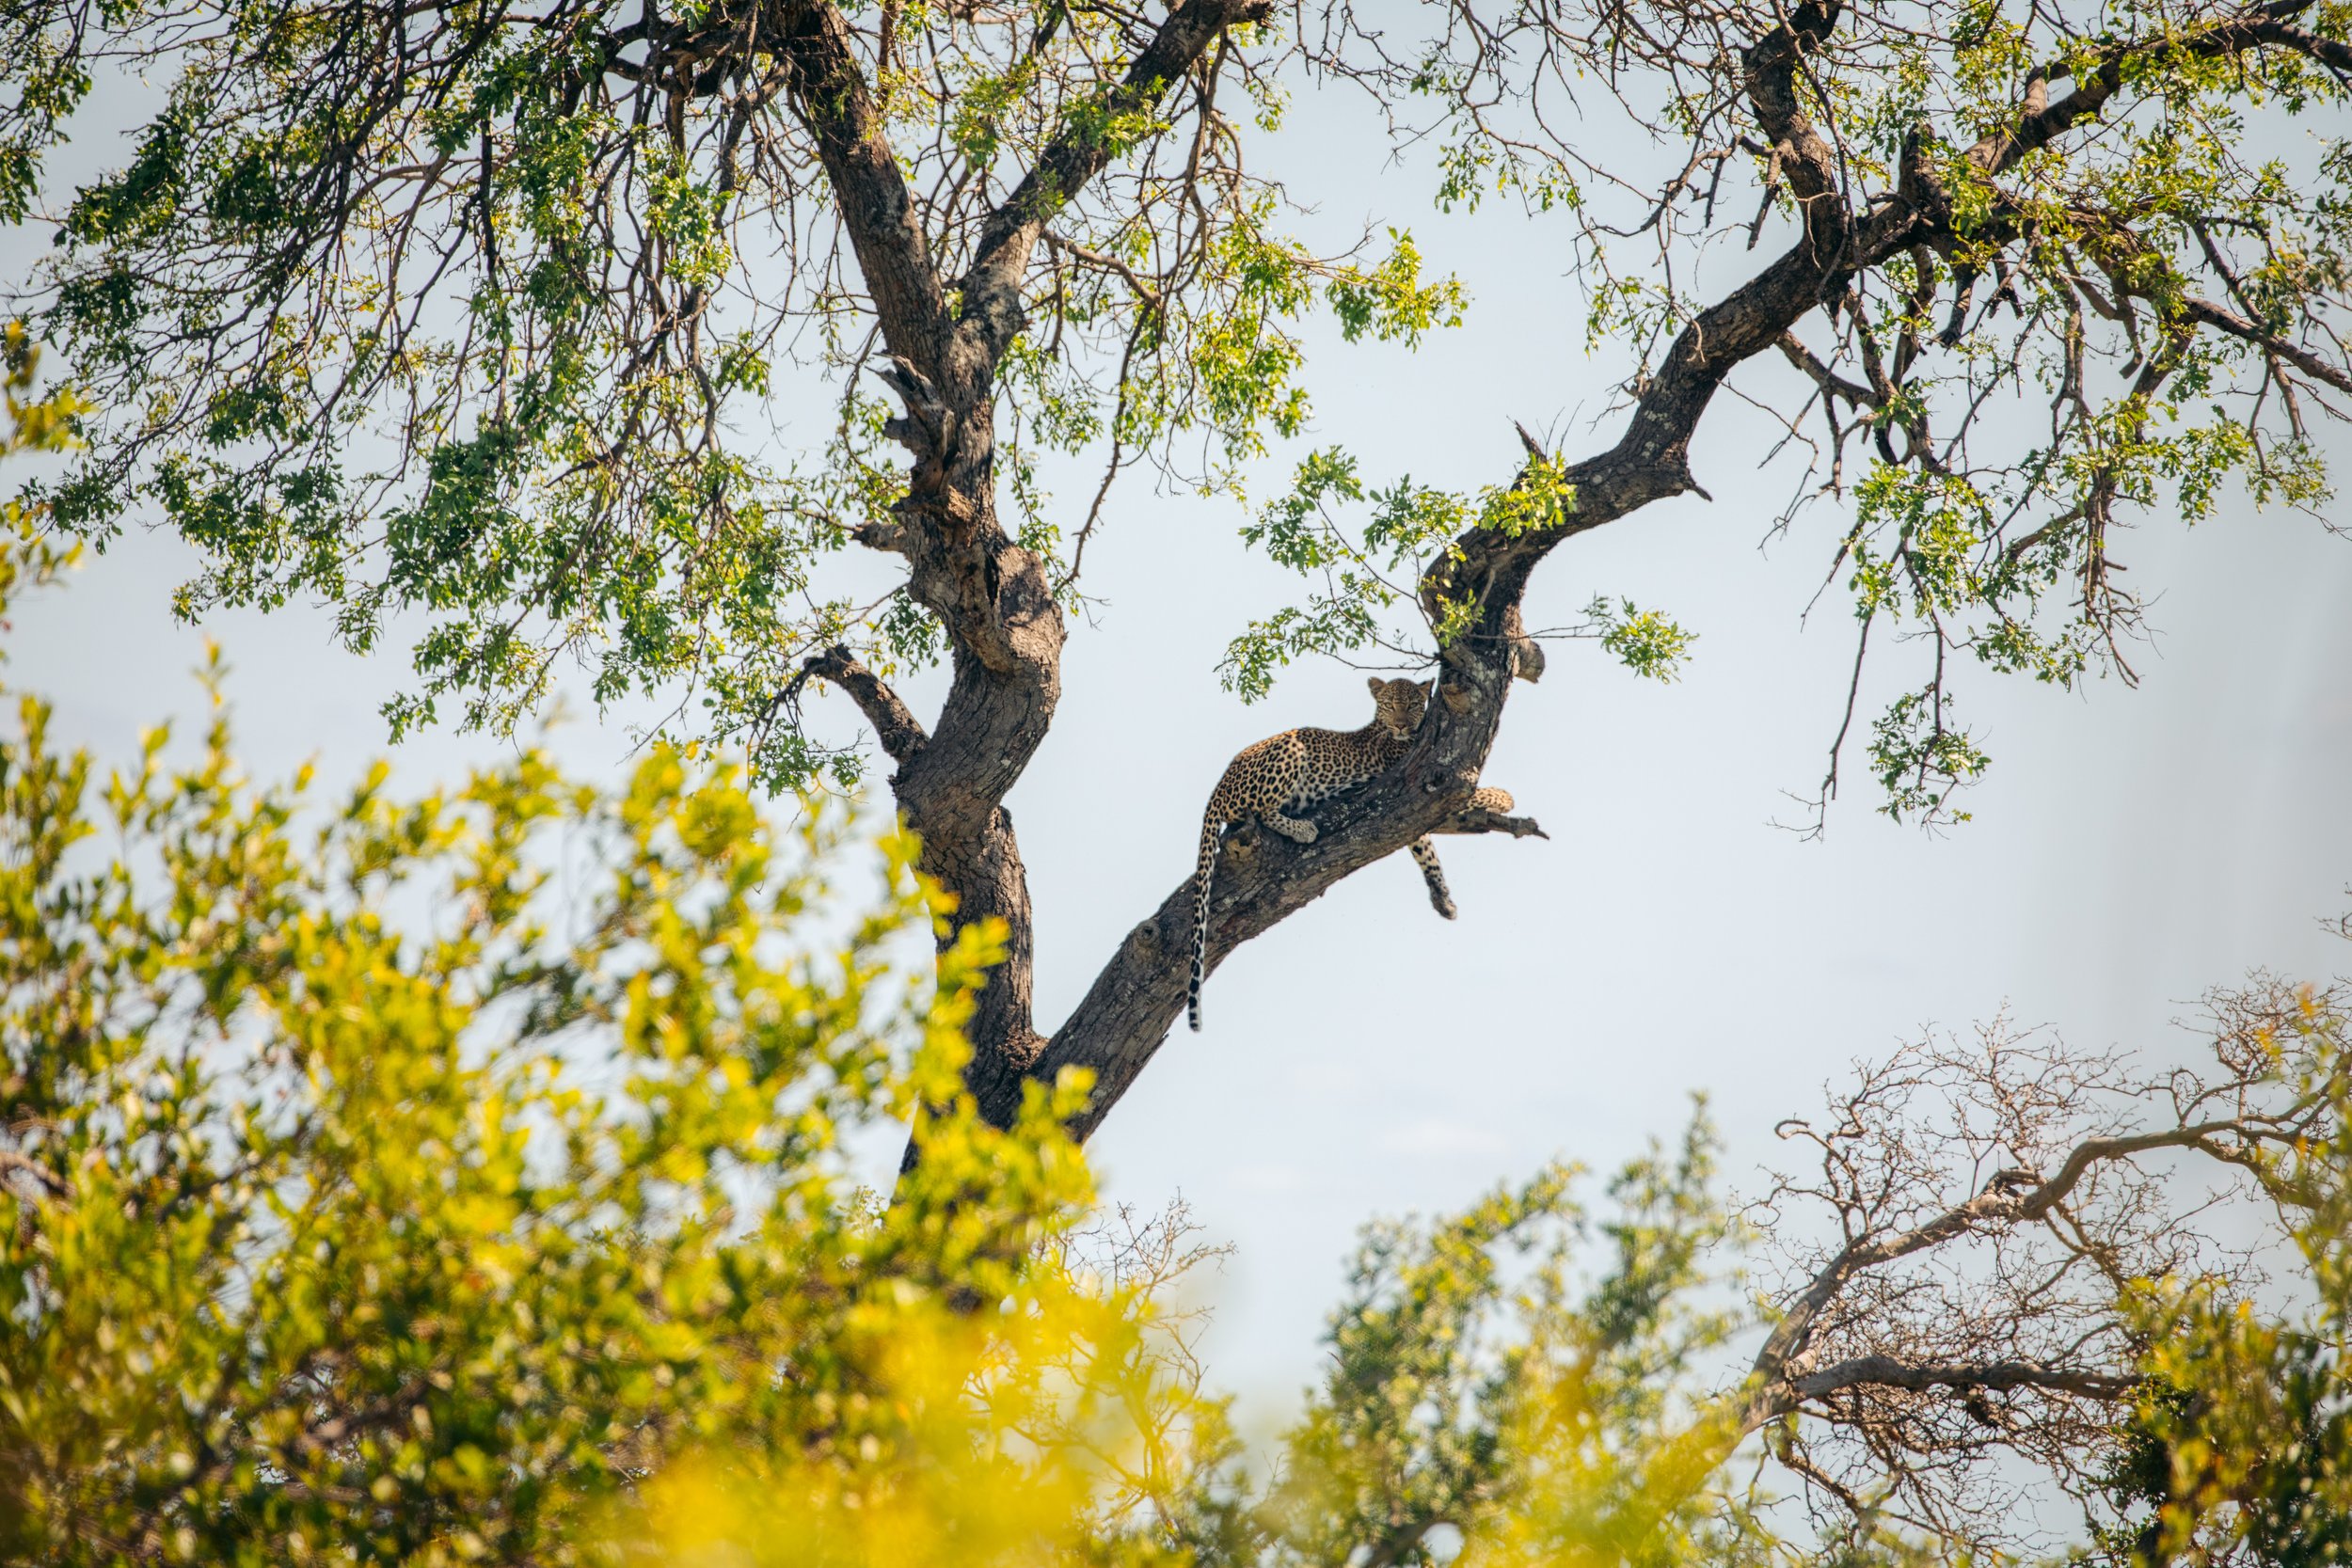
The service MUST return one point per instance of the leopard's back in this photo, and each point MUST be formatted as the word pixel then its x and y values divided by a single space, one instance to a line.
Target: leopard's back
pixel 1299 767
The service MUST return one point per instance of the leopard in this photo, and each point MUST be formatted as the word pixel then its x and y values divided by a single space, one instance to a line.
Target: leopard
pixel 1299 769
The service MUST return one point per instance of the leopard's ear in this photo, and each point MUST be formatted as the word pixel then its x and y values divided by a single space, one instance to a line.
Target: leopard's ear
pixel 1379 687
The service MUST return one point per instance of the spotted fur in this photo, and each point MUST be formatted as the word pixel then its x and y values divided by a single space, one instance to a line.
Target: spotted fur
pixel 1294 771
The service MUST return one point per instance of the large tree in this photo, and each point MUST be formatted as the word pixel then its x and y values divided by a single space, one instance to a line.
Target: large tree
pixel 463 309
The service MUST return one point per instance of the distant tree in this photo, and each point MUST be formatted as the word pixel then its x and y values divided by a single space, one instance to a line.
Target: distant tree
pixel 465 309
pixel 2238 1450
pixel 2021 1278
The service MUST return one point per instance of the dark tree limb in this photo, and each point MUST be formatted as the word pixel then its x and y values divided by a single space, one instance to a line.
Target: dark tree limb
pixel 2040 121
pixel 896 728
pixel 1478 819
pixel 1262 878
pixel 2221 319
pixel 830 96
pixel 992 287
pixel 1885 1371
pixel 993 596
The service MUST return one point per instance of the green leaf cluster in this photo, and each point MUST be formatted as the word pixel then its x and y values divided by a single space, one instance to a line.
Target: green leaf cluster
pixel 1366 569
pixel 1646 641
pixel 485 321
pixel 1482 1389
pixel 2239 1448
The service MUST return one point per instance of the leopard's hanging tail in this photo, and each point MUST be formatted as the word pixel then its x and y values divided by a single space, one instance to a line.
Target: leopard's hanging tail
pixel 1201 873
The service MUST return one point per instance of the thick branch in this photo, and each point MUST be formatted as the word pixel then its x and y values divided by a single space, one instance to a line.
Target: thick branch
pixel 1261 879
pixel 830 94
pixel 992 595
pixel 2205 312
pixel 2034 1202
pixel 901 735
pixel 1478 819
pixel 1885 1371
pixel 1800 151
pixel 2041 121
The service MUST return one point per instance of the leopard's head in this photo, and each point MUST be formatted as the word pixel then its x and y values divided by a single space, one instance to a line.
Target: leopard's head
pixel 1398 705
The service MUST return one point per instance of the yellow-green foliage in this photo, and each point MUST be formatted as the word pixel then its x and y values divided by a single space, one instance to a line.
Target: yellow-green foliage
pixel 28 557
pixel 460 1179
pixel 403 1178
pixel 2240 1449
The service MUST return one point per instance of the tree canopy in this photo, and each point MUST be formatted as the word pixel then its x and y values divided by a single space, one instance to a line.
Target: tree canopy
pixel 474 310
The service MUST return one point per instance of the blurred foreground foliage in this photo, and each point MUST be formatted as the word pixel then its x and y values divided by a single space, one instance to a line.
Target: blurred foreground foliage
pixel 2240 1449
pixel 390 1178
pixel 461 1178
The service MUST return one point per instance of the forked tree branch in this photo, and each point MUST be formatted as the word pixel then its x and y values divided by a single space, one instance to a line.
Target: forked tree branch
pixel 1086 146
pixel 2041 121
pixel 2206 313
pixel 992 595
pixel 1127 1013
pixel 1782 1376
pixel 1135 998
pixel 833 100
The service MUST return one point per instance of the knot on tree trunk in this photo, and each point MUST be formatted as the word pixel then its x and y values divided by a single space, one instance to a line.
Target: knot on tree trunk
pixel 928 428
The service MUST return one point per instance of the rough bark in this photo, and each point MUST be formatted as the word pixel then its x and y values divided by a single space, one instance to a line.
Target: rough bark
pixel 993 596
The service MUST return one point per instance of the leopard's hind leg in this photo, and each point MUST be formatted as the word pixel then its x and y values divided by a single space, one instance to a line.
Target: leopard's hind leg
pixel 1297 829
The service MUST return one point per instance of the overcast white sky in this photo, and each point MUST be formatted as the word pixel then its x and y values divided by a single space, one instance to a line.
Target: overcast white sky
pixel 2130 849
